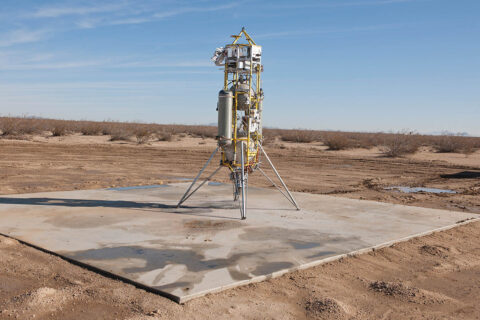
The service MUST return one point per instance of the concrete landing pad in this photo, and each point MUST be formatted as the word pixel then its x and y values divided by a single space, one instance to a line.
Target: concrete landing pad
pixel 138 234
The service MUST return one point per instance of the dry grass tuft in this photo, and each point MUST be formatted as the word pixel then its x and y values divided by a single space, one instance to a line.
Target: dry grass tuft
pixel 59 129
pixel 451 143
pixel 91 128
pixel 400 144
pixel 299 136
pixel 337 141
pixel 164 136
pixel 120 135
pixel 9 126
pixel 142 134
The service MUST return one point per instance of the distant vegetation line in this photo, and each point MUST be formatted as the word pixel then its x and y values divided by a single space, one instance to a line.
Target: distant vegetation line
pixel 391 144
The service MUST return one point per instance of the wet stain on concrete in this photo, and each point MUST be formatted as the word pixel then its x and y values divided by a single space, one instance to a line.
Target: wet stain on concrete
pixel 297 238
pixel 154 258
pixel 268 267
pixel 195 263
pixel 153 186
pixel 85 221
pixel 323 254
pixel 197 266
pixel 303 244
pixel 237 275
pixel 212 224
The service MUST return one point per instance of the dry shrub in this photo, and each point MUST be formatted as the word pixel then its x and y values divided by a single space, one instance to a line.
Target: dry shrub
pixel 9 126
pixel 337 141
pixel 142 134
pixel 451 143
pixel 400 144
pixel 299 136
pixel 59 130
pixel 107 129
pixel 26 126
pixel 199 131
pixel 165 136
pixel 119 134
pixel 268 140
pixel 91 128
pixel 365 140
pixel 469 148
pixel 271 134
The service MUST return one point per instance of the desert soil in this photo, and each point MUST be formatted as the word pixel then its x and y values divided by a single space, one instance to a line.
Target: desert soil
pixel 432 277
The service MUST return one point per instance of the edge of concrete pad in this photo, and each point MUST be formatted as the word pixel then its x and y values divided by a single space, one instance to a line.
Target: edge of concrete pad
pixel 182 300
pixel 280 273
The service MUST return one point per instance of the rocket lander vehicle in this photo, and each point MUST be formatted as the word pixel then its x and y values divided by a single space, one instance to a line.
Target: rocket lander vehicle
pixel 239 107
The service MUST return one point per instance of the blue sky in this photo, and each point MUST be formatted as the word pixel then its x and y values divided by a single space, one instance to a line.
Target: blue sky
pixel 362 65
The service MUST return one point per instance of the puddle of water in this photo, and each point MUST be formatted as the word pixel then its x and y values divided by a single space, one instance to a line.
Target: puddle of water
pixel 419 189
pixel 139 187
pixel 213 183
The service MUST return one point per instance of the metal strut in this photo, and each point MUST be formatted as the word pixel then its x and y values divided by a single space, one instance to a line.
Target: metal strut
pixel 201 184
pixel 292 200
pixel 243 209
pixel 275 185
pixel 187 195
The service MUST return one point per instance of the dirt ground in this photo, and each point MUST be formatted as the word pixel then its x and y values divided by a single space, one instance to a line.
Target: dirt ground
pixel 432 277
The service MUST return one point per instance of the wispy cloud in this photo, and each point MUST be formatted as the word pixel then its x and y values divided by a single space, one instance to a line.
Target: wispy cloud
pixel 184 10
pixel 88 23
pixel 135 20
pixel 327 31
pixel 373 3
pixel 51 66
pixel 55 12
pixel 17 60
pixel 164 64
pixel 168 13
pixel 20 36
pixel 341 4
pixel 45 89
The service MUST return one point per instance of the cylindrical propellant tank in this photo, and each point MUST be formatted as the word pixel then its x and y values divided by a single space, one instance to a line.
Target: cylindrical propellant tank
pixel 243 96
pixel 225 109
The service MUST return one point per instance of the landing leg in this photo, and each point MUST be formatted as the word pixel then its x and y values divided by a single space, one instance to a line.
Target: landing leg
pixel 201 184
pixel 187 195
pixel 243 209
pixel 275 185
pixel 292 200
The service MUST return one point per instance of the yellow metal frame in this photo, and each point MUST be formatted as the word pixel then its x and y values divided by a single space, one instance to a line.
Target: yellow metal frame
pixel 252 140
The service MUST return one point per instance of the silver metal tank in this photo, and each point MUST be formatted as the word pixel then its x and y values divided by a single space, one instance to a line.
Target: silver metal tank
pixel 243 98
pixel 225 109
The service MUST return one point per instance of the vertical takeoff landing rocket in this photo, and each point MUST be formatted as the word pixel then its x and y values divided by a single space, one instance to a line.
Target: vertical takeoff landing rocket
pixel 240 120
